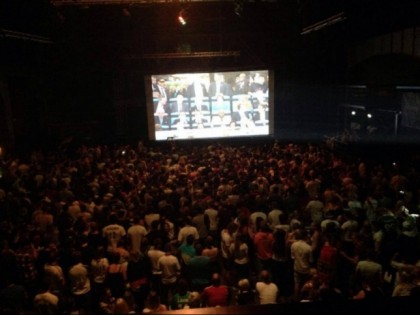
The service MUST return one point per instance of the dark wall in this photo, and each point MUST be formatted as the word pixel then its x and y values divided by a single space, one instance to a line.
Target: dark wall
pixel 88 79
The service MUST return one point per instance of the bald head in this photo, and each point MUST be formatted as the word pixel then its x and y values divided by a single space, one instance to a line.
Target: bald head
pixel 215 279
pixel 265 276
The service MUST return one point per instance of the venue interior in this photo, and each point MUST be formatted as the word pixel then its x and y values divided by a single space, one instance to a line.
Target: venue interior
pixel 341 74
pixel 77 67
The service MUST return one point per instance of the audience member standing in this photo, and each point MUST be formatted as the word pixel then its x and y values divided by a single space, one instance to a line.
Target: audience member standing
pixel 46 302
pixel 171 269
pixel 80 283
pixel 227 238
pixel 113 232
pixel 216 294
pixel 187 229
pixel 245 295
pixel 98 270
pixel 154 253
pixel 282 265
pixel 301 253
pixel 263 244
pixel 213 219
pixel 138 271
pixel 116 275
pixel 136 234
pixel 153 303
pixel 267 291
pixel 200 269
pixel 240 256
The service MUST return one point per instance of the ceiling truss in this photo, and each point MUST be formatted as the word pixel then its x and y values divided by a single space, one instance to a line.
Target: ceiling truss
pixel 59 3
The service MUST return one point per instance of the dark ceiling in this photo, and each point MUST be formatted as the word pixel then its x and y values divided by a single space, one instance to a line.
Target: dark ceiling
pixel 82 59
pixel 262 32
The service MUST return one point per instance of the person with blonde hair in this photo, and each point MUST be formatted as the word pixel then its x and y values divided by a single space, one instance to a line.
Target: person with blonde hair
pixel 246 295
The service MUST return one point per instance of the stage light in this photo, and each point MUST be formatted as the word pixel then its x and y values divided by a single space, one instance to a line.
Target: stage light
pixel 126 12
pixel 369 115
pixel 353 113
pixel 239 7
pixel 181 19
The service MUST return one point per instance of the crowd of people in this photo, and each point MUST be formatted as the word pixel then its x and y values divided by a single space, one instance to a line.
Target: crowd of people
pixel 153 227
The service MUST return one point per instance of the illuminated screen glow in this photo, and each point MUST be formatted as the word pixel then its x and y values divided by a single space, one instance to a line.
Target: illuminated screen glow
pixel 209 105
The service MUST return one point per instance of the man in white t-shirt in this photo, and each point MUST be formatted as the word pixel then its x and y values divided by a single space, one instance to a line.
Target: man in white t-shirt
pixel 113 232
pixel 301 253
pixel 273 217
pixel 213 218
pixel 80 283
pixel 170 267
pixel 136 234
pixel 186 230
pixel 154 253
pixel 267 291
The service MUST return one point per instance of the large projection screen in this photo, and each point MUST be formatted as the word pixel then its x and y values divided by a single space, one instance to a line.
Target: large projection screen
pixel 210 105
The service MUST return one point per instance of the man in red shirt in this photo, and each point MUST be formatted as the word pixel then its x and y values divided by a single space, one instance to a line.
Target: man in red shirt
pixel 216 294
pixel 263 244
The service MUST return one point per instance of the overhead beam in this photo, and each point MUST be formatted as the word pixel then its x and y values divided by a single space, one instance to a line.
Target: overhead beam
pixel 324 23
pixel 24 36
pixel 58 3
pixel 204 54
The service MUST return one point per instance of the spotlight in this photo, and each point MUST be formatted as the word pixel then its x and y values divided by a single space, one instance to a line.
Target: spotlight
pixel 239 7
pixel 126 12
pixel 369 115
pixel 353 113
pixel 181 18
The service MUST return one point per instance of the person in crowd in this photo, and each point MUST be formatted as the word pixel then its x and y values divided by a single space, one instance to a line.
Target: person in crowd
pixel 217 294
pixel 187 229
pixel 54 273
pixel 14 297
pixel 85 187
pixel 46 302
pixel 242 84
pixel 79 279
pixel 136 233
pixel 240 255
pixel 282 265
pixel 183 296
pixel 263 244
pixel 170 269
pixel 154 253
pixel 368 270
pixel 200 269
pixel 187 250
pixel 227 238
pixel 197 91
pixel 153 303
pixel 138 269
pixel 98 271
pixel 162 105
pixel 212 219
pixel 301 253
pixel 219 86
pixel 245 295
pixel 311 288
pixel 116 277
pixel 113 232
pixel 212 251
pixel 106 302
pixel 267 291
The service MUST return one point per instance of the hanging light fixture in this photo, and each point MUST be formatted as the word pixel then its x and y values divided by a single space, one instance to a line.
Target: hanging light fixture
pixel 181 17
